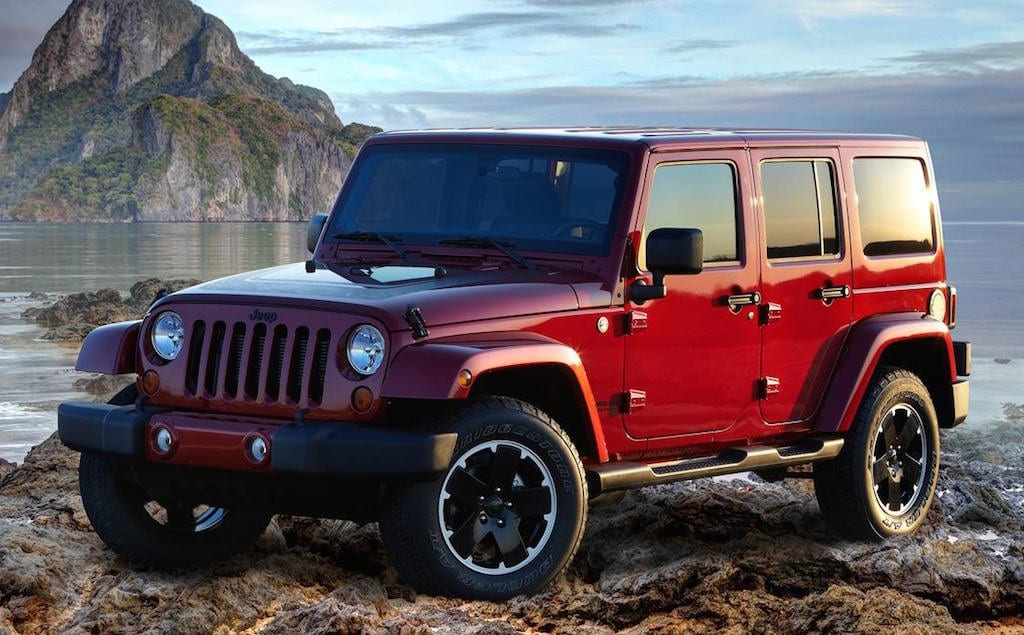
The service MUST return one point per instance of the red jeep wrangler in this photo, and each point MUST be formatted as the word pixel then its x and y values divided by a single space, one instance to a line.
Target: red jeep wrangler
pixel 497 326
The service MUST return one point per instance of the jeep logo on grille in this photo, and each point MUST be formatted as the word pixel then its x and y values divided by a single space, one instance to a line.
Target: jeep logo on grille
pixel 260 316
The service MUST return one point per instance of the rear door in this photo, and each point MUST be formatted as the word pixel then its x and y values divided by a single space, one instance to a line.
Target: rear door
pixel 806 277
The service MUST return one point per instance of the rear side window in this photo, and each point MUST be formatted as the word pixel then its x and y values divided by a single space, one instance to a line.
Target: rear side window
pixel 699 195
pixel 894 206
pixel 800 212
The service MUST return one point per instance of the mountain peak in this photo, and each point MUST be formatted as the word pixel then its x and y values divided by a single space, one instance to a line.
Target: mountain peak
pixel 120 43
pixel 105 61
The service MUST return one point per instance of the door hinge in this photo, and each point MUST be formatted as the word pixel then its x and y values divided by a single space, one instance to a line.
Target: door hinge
pixel 770 386
pixel 771 312
pixel 633 400
pixel 637 321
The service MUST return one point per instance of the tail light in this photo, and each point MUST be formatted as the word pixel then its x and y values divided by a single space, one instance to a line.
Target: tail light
pixel 952 308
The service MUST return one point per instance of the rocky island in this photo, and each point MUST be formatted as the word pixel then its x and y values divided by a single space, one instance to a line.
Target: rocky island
pixel 146 110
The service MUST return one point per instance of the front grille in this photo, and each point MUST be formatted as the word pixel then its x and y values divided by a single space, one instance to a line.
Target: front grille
pixel 272 365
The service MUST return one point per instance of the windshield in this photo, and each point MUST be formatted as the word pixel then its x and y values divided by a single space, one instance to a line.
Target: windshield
pixel 540 199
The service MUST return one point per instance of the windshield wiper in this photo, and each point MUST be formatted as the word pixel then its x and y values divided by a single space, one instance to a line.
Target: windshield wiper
pixel 376 237
pixel 506 248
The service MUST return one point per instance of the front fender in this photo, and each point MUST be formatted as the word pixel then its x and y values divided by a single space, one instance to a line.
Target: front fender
pixel 864 349
pixel 430 370
pixel 110 349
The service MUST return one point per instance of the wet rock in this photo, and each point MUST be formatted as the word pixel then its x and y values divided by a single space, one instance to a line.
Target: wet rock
pixel 735 555
pixel 73 316
pixel 103 387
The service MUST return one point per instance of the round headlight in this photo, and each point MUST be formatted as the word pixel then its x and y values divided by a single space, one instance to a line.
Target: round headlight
pixel 366 349
pixel 168 335
pixel 937 305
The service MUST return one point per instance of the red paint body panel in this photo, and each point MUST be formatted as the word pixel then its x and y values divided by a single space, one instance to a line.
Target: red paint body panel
pixel 428 371
pixel 867 343
pixel 697 360
pixel 208 441
pixel 800 348
pixel 110 349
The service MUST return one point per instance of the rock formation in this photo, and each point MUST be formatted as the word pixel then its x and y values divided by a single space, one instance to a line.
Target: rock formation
pixel 146 110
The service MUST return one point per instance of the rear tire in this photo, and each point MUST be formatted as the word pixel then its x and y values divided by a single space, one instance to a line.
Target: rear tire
pixel 504 519
pixel 161 535
pixel 883 481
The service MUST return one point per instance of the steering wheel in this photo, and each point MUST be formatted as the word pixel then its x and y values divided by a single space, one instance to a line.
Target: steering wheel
pixel 579 222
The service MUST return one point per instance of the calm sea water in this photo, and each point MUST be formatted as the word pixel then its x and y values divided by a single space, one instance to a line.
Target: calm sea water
pixel 985 262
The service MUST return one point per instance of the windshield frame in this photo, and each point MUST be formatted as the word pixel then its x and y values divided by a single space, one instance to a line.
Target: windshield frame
pixel 562 249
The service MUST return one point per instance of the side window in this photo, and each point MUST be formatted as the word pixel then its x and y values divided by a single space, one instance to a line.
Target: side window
pixel 700 195
pixel 894 206
pixel 800 214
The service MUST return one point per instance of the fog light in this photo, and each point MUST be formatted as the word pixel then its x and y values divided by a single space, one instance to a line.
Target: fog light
pixel 162 440
pixel 258 449
pixel 362 399
pixel 150 382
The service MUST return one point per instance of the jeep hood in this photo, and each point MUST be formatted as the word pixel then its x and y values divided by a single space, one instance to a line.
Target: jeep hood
pixel 386 292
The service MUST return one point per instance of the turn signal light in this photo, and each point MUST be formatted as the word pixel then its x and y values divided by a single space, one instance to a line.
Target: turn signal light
pixel 150 382
pixel 362 399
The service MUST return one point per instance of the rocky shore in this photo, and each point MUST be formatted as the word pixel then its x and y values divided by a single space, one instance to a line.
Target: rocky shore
pixel 71 317
pixel 733 554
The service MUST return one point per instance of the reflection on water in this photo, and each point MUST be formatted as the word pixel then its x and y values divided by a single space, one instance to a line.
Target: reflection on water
pixel 76 257
pixel 35 375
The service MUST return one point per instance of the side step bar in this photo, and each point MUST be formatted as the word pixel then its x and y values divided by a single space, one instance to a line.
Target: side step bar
pixel 609 477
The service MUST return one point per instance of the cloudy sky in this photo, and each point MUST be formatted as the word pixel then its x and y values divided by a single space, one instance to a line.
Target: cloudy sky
pixel 952 72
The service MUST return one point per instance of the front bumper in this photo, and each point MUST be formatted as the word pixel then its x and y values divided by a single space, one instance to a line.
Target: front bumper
pixel 327 448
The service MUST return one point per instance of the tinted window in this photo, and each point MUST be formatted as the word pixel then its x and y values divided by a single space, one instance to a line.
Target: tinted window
pixel 542 199
pixel 894 206
pixel 700 195
pixel 799 208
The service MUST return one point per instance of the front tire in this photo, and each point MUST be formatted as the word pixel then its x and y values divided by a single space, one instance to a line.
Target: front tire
pixel 163 534
pixel 504 519
pixel 883 481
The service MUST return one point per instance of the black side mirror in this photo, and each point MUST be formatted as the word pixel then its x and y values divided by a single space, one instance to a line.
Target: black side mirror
pixel 670 251
pixel 316 227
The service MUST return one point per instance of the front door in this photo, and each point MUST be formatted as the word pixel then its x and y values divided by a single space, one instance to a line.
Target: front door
pixel 806 275
pixel 692 359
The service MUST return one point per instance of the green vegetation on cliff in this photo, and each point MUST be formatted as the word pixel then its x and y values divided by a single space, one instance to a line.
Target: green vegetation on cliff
pixel 199 133
pixel 231 135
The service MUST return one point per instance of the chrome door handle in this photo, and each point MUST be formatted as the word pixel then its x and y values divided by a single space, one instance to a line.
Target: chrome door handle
pixel 834 293
pixel 743 299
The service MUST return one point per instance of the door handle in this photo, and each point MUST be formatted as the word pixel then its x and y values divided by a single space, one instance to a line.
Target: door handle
pixel 834 293
pixel 743 299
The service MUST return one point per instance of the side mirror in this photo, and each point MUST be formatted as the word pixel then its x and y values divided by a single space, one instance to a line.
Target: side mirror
pixel 316 227
pixel 670 251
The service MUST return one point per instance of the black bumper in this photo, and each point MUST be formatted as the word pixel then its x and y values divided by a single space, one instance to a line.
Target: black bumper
pixel 328 448
pixel 961 388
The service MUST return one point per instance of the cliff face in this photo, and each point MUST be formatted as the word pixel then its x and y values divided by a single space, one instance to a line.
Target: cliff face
pixel 147 110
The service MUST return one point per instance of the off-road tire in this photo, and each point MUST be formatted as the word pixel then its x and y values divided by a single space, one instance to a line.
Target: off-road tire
pixel 411 523
pixel 845 487
pixel 115 507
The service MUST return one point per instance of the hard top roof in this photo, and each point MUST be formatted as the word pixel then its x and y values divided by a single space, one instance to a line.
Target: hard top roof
pixel 651 136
